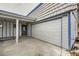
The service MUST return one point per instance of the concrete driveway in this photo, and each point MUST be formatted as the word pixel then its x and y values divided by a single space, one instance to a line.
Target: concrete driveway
pixel 29 46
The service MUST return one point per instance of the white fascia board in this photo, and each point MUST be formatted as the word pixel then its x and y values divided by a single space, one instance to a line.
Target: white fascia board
pixel 26 20
pixel 14 16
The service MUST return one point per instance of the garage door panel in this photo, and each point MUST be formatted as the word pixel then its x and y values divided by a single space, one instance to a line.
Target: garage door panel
pixel 65 32
pixel 49 31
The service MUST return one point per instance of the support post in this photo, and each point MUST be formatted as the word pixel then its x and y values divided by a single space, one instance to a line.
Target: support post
pixel 17 30
pixel 29 30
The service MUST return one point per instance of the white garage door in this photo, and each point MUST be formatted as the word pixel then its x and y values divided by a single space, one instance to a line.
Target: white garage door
pixel 48 31
pixel 51 31
pixel 65 32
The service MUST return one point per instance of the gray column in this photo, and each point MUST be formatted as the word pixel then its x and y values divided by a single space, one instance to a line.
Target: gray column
pixel 29 30
pixel 17 30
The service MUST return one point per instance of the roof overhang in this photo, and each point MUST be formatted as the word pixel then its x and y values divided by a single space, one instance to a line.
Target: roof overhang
pixel 34 9
pixel 7 14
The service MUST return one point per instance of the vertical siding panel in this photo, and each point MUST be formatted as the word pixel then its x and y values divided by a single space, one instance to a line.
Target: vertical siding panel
pixel 20 30
pixel 15 31
pixel 11 29
pixel 1 30
pixel 7 29
pixel 4 29
pixel 73 27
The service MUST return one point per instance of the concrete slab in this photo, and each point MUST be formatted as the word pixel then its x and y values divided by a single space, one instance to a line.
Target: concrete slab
pixel 30 47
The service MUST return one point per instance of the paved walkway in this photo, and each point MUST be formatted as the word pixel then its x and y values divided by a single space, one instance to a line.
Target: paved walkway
pixel 30 47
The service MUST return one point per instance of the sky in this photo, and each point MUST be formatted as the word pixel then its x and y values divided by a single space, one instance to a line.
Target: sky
pixel 18 8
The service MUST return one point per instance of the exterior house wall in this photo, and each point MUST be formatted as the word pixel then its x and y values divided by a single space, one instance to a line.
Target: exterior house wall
pixel 47 30
pixel 74 20
pixel 54 31
pixel 50 9
pixel 50 31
